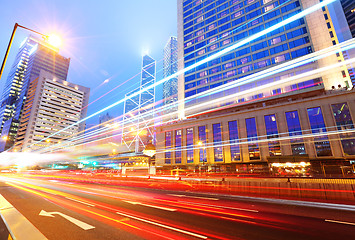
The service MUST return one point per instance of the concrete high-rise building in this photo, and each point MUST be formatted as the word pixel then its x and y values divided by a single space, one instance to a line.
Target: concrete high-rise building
pixel 139 114
pixel 34 55
pixel 170 87
pixel 207 27
pixel 51 105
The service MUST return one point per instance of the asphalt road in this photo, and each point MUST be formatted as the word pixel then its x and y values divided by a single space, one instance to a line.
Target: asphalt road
pixel 61 209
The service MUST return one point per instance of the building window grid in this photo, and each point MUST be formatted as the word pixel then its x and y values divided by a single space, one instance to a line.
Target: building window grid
pixel 261 40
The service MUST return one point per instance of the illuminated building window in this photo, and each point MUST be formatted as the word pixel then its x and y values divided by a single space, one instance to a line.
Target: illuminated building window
pixel 212 26
pixel 228 65
pixel 202 74
pixel 272 132
pixel 212 40
pixel 167 147
pixel 203 51
pixel 294 129
pixel 225 34
pixel 213 47
pixel 202 82
pixel 217 142
pixel 189 145
pixel 199 32
pixel 262 64
pixel 252 135
pixel 199 19
pixel 318 128
pixel 229 73
pixel 245 69
pixel 178 146
pixel 243 60
pixel 234 140
pixel 237 14
pixel 227 41
pixel 202 141
pixel 269 7
pixel 344 123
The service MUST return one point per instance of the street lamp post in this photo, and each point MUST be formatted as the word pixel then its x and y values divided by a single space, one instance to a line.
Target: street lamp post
pixel 53 39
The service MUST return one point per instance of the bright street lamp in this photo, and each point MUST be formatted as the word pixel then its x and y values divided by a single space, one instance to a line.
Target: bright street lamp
pixel 52 40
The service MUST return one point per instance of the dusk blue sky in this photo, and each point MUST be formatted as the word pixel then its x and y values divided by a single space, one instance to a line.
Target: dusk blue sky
pixel 104 39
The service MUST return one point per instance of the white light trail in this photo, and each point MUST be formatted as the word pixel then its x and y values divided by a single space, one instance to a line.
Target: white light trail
pixel 216 55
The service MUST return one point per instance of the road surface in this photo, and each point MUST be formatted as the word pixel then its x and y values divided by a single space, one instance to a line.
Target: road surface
pixel 61 209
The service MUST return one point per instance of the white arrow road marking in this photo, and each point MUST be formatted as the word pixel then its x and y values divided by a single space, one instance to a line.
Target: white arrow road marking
pixel 153 206
pixel 207 198
pixel 163 225
pixel 77 222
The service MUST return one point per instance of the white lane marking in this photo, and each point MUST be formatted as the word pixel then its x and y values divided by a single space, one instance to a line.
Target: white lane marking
pixel 77 222
pixel 19 226
pixel 92 205
pixel 53 180
pixel 207 198
pixel 218 206
pixel 335 221
pixel 164 226
pixel 153 206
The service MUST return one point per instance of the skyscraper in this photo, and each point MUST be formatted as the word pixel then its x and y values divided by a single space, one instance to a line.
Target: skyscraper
pixel 34 55
pixel 170 87
pixel 51 105
pixel 138 115
pixel 264 88
pixel 207 27
pixel 349 10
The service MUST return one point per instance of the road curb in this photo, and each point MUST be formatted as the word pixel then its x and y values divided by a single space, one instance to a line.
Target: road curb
pixel 18 227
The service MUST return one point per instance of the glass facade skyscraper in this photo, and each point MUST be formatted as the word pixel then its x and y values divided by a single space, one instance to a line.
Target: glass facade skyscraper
pixel 170 87
pixel 209 26
pixel 34 55
pixel 349 10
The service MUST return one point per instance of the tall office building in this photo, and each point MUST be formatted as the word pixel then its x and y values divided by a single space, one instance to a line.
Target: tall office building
pixel 139 114
pixel 170 87
pixel 349 10
pixel 51 105
pixel 207 27
pixel 34 55
pixel 281 101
